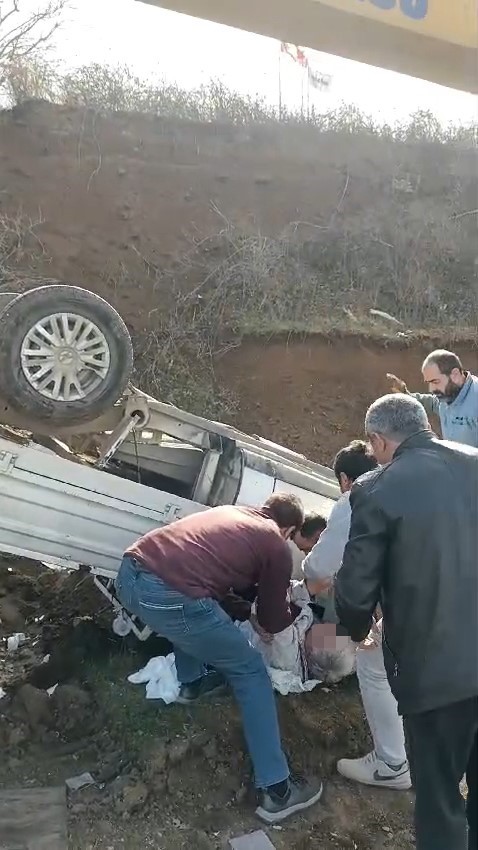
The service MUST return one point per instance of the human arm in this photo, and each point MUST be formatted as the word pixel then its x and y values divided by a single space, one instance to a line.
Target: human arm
pixel 325 559
pixel 359 581
pixel 237 606
pixel 429 401
pixel 273 609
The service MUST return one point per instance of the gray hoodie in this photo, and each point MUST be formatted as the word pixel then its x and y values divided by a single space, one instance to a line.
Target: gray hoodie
pixel 459 420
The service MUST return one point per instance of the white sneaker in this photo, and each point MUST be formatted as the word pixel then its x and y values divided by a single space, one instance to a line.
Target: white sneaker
pixel 370 770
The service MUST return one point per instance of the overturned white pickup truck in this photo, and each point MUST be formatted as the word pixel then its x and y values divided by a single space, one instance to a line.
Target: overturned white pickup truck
pixel 137 463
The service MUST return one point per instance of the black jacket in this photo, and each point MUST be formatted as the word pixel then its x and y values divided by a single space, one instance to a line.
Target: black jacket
pixel 413 548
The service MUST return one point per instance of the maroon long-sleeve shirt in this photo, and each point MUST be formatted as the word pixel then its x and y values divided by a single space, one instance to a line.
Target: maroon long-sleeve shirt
pixel 208 553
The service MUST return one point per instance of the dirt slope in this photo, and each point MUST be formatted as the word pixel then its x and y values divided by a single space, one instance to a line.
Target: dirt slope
pixel 121 198
pixel 312 394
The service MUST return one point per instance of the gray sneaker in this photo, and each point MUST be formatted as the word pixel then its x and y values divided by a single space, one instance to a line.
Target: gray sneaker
pixel 300 795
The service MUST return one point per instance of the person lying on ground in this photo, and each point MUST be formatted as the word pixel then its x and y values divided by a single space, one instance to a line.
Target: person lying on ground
pixel 413 549
pixel 174 578
pixel 452 396
pixel 284 652
pixel 295 658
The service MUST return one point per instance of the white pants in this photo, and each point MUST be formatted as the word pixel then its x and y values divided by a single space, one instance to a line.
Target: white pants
pixel 380 706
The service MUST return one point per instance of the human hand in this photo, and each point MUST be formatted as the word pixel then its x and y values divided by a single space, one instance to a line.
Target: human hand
pixel 397 385
pixel 374 637
pixel 318 587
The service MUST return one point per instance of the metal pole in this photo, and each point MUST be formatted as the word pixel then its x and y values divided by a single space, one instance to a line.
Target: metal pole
pixel 280 83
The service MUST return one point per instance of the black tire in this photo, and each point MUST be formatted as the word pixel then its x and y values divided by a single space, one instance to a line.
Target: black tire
pixel 19 317
pixel 6 298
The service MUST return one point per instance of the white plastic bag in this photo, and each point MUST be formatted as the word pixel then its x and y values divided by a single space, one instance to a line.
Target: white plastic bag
pixel 15 641
pixel 160 678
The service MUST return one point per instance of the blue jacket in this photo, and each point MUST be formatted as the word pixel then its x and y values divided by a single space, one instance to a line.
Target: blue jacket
pixel 459 420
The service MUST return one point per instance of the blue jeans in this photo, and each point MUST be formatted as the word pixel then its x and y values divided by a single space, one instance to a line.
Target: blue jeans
pixel 203 634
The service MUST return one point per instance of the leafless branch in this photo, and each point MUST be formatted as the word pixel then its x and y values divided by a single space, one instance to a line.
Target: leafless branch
pixel 296 224
pixel 462 214
pixel 100 155
pixel 22 35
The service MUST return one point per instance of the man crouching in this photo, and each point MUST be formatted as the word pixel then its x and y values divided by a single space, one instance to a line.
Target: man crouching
pixel 174 578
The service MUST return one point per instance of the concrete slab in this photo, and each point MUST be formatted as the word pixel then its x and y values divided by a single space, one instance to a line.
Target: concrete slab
pixel 33 819
pixel 253 841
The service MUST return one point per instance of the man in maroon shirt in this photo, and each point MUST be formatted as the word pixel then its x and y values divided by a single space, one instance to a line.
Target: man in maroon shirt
pixel 174 579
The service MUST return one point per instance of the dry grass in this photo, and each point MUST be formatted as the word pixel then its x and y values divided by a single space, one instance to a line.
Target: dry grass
pixel 234 285
pixel 20 244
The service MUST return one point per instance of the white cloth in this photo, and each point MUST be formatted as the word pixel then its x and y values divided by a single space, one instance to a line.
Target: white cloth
pixel 380 705
pixel 325 559
pixel 160 678
pixel 284 655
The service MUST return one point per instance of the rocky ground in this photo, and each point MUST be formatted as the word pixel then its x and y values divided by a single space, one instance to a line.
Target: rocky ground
pixel 165 777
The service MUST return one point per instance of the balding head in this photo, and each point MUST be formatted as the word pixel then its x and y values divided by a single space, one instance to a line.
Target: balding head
pixel 392 419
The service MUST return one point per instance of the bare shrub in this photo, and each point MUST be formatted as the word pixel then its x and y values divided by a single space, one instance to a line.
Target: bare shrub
pixel 234 283
pixel 19 241
pixel 106 88
pixel 24 36
pixel 32 80
pixel 102 88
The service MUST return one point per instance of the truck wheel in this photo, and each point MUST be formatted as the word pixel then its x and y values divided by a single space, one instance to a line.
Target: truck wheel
pixel 65 354
pixel 5 298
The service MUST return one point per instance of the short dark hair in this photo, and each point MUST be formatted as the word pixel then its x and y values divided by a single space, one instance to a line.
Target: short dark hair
pixel 286 509
pixel 354 460
pixel 445 360
pixel 313 523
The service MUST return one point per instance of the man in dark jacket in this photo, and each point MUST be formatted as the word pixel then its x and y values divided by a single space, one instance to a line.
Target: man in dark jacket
pixel 413 549
pixel 175 578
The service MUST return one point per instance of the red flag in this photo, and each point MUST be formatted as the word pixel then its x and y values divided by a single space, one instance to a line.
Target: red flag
pixel 296 53
pixel 302 58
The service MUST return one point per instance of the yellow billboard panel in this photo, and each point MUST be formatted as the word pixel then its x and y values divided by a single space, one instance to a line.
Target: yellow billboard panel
pixel 447 20
pixel 435 40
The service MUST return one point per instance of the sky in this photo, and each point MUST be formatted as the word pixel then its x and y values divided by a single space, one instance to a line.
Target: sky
pixel 157 43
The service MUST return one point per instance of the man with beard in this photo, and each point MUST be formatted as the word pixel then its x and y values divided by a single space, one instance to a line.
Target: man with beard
pixel 452 396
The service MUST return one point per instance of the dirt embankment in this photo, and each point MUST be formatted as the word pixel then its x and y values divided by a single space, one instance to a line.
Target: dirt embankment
pixel 312 394
pixel 110 190
pixel 121 201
